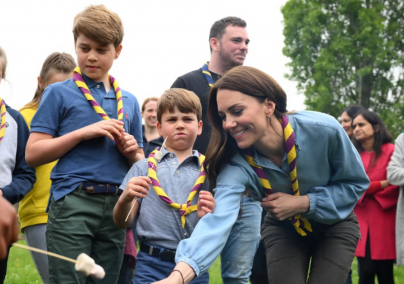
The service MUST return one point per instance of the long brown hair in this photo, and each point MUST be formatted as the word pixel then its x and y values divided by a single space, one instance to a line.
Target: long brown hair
pixel 55 63
pixel 249 81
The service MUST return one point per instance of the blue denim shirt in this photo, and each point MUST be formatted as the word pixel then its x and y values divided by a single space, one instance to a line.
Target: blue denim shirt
pixel 159 223
pixel 63 109
pixel 329 170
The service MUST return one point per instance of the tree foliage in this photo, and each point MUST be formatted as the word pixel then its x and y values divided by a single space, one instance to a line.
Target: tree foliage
pixel 347 52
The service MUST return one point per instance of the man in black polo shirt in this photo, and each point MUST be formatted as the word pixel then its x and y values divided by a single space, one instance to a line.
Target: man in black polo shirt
pixel 228 41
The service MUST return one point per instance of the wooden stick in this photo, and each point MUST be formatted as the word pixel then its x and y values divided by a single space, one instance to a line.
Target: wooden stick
pixel 131 208
pixel 44 252
pixel 134 201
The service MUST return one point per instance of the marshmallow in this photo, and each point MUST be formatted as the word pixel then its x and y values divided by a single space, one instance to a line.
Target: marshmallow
pixel 97 272
pixel 87 266
pixel 158 155
pixel 84 264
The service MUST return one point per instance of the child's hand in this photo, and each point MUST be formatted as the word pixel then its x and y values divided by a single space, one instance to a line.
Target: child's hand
pixel 206 203
pixel 127 145
pixel 109 128
pixel 136 187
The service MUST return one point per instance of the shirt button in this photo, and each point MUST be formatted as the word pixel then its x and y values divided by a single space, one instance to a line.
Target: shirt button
pixel 174 163
pixel 177 171
pixel 98 86
pixel 171 156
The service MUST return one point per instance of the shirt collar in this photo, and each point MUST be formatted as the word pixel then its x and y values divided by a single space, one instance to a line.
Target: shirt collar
pixel 194 157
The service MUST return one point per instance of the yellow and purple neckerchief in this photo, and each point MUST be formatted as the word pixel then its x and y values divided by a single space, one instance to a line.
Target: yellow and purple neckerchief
pixel 186 208
pixel 299 222
pixel 78 79
pixel 3 119
pixel 207 74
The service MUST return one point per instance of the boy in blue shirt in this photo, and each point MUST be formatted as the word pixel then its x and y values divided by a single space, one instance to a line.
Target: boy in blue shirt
pixel 168 211
pixel 92 127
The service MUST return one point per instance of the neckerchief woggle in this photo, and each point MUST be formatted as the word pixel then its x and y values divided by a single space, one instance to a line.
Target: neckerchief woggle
pixel 78 79
pixel 3 119
pixel 298 221
pixel 186 208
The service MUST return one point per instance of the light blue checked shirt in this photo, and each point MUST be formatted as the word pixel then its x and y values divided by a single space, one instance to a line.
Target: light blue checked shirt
pixel 159 223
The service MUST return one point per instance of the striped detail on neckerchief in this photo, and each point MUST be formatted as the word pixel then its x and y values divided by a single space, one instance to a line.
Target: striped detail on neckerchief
pixel 186 208
pixel 3 119
pixel 299 222
pixel 207 74
pixel 78 79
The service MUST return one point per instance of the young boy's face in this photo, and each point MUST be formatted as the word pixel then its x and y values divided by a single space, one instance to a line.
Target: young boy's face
pixel 181 129
pixel 94 59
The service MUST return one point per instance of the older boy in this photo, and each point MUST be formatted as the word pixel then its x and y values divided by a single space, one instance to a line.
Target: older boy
pixel 177 178
pixel 91 126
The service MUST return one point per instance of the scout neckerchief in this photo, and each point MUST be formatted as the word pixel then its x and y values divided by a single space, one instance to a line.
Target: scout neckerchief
pixel 207 74
pixel 298 221
pixel 185 209
pixel 3 119
pixel 78 79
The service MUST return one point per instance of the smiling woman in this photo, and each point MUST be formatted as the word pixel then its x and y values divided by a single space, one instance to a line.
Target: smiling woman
pixel 307 183
pixel 376 210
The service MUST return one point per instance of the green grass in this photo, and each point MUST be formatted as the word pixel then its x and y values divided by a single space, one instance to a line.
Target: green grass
pixel 21 270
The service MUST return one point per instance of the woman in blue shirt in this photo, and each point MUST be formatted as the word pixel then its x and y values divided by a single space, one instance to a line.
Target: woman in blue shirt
pixel 303 168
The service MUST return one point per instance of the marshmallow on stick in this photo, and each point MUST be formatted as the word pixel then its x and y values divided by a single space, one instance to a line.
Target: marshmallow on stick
pixel 83 263
pixel 159 153
pixel 87 266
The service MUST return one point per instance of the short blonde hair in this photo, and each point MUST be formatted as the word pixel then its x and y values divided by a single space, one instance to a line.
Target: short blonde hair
pixel 3 60
pixel 186 102
pixel 99 24
pixel 148 100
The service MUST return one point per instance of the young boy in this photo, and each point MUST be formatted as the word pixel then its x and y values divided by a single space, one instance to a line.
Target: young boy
pixel 91 126
pixel 176 178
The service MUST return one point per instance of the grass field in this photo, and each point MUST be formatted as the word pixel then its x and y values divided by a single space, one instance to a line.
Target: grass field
pixel 21 270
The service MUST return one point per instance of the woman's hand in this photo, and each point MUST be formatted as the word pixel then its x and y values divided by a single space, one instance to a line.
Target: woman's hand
pixel 283 206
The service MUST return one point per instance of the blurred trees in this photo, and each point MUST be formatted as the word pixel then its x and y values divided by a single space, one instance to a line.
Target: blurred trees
pixel 347 52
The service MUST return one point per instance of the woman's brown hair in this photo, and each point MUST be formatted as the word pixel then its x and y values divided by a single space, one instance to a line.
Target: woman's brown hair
pixel 249 81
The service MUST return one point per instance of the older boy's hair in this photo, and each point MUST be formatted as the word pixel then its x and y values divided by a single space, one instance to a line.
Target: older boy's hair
pixel 186 102
pixel 99 24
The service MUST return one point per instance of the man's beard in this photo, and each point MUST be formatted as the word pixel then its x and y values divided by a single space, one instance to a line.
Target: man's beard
pixel 227 62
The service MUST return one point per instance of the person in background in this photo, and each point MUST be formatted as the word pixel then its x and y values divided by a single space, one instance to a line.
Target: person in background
pixel 346 118
pixel 346 122
pixel 395 175
pixel 376 210
pixel 16 177
pixel 151 137
pixel 57 67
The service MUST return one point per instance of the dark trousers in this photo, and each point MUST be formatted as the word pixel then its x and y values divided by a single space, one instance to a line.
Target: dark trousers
pixel 83 223
pixel 330 248
pixel 370 268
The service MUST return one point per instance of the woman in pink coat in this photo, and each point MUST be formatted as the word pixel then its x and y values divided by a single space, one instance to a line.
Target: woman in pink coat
pixel 376 210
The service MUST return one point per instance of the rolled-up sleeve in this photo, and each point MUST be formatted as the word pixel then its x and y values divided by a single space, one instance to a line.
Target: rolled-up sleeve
pixel 348 181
